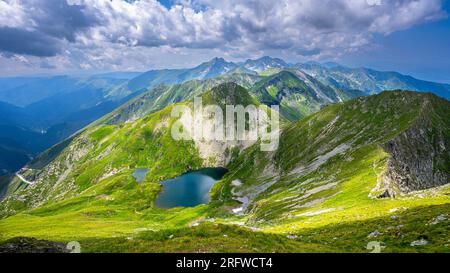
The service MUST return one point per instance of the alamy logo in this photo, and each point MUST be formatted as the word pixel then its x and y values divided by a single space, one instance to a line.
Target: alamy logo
pixel 73 247
pixel 209 123
pixel 376 247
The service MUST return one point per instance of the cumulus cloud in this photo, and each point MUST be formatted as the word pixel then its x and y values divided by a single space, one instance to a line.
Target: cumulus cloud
pixel 21 41
pixel 40 27
pixel 110 32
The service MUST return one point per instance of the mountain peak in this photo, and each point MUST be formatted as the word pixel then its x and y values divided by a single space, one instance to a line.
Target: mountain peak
pixel 266 59
pixel 229 93
pixel 265 63
pixel 213 68
pixel 217 60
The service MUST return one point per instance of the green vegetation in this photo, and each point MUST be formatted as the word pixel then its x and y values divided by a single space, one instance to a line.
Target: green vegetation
pixel 314 194
pixel 298 95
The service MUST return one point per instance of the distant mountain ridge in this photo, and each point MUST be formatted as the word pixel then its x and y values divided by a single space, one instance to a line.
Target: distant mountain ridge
pixel 206 70
pixel 264 63
pixel 370 81
pixel 330 82
pixel 52 108
pixel 331 74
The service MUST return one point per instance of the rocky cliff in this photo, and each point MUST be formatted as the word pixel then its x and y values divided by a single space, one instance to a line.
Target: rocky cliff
pixel 420 155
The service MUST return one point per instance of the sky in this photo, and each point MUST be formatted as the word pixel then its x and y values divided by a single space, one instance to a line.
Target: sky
pixel 89 36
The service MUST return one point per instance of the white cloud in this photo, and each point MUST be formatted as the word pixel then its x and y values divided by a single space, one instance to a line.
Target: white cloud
pixel 110 33
pixel 12 14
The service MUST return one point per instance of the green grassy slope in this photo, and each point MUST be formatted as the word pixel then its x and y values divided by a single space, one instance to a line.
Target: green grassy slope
pixel 328 164
pixel 298 95
pixel 103 158
pixel 160 97
pixel 312 195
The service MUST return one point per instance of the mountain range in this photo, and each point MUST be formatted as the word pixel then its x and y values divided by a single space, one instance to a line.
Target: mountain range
pixel 355 163
pixel 370 168
pixel 38 112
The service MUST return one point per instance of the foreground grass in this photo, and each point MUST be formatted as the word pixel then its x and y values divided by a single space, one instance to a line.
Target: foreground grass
pixel 207 237
pixel 117 229
pixel 396 232
pixel 95 222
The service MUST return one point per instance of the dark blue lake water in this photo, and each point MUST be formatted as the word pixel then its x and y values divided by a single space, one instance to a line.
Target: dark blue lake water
pixel 190 189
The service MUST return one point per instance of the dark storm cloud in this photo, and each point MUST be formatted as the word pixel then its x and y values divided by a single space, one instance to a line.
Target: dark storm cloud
pixel 60 20
pixel 43 28
pixel 21 41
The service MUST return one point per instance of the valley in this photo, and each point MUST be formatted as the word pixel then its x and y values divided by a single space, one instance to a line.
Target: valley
pixel 355 164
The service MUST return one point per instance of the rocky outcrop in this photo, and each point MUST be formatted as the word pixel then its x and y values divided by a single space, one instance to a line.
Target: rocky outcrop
pixel 31 245
pixel 419 156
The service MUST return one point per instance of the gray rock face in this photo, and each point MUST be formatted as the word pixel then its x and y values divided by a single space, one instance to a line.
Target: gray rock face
pixel 419 157
pixel 420 242
pixel 439 219
pixel 374 234
pixel 31 245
